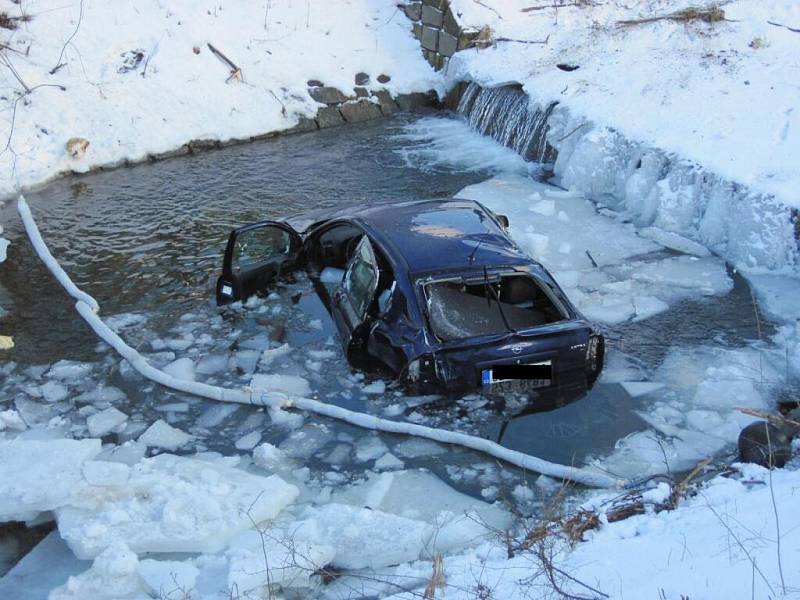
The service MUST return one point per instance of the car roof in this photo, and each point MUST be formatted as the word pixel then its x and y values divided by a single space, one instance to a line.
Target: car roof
pixel 437 235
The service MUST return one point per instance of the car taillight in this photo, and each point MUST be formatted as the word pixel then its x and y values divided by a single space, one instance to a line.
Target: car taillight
pixel 595 350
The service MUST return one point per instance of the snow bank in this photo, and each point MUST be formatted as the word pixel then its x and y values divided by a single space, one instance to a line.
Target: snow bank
pixel 717 545
pixel 173 504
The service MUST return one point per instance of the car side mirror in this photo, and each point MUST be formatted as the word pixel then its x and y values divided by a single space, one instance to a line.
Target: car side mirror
pixel 503 220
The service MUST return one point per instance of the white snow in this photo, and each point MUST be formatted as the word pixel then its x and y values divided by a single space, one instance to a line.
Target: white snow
pixel 163 435
pixel 113 576
pixel 11 419
pixel 173 504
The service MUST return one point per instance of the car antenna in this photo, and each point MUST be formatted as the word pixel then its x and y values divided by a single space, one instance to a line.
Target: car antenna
pixel 490 289
pixel 471 257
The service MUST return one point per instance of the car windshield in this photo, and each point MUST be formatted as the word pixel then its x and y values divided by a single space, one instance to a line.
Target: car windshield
pixel 460 309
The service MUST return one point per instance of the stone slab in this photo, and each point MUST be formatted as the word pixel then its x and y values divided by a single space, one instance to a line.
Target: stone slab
pixel 362 110
pixel 329 116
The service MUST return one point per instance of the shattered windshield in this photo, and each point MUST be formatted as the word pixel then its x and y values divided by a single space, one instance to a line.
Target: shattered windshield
pixel 460 309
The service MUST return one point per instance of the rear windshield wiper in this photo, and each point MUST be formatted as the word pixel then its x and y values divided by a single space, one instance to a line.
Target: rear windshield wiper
pixel 493 292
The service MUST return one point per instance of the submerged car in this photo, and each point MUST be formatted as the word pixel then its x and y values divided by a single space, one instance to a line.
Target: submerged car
pixel 434 293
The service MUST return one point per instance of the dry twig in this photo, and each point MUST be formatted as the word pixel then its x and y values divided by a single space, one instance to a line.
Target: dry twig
pixel 711 14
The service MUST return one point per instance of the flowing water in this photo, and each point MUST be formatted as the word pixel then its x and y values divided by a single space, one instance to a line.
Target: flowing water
pixel 147 242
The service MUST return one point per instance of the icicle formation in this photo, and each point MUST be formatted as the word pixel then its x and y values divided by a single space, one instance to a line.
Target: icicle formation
pixel 505 114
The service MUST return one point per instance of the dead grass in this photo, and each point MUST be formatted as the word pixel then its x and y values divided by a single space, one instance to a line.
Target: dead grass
pixel 710 14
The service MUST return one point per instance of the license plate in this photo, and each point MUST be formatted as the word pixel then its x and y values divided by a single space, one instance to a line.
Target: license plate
pixel 518 377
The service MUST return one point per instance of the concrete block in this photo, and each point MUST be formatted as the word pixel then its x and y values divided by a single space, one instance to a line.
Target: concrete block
pixel 448 44
pixel 416 29
pixel 329 116
pixel 327 95
pixel 438 4
pixel 432 16
pixel 413 10
pixel 430 37
pixel 388 105
pixel 362 110
pixel 451 25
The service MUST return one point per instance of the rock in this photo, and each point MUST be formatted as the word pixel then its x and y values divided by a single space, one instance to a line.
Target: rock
pixel 388 105
pixel 362 78
pixel 430 37
pixel 362 110
pixel 314 83
pixel 448 44
pixel 766 444
pixel 431 56
pixel 437 4
pixel 416 29
pixel 303 124
pixel 76 147
pixel 432 16
pixel 383 78
pixel 361 92
pixel 415 100
pixel 329 116
pixel 413 10
pixel 6 342
pixel 327 95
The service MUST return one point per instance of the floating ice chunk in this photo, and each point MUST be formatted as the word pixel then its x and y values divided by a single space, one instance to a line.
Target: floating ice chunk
pixel 640 388
pixel 416 447
pixel 180 407
pixel 10 419
pixel 248 441
pixel 246 360
pixel 306 441
pixel 105 421
pixel 102 394
pixel 648 306
pixel 271 354
pixel 612 313
pixel 113 576
pixel 103 473
pixel 544 207
pixel 175 504
pixel 122 320
pixel 707 275
pixel 69 370
pixel 178 344
pixel 363 537
pixel 777 295
pixel 316 324
pixel 376 387
pixel 322 354
pixel 162 435
pixel 291 562
pixel 674 241
pixel 269 457
pixel 129 453
pixel 291 385
pixel 183 368
pixel 168 579
pixel 388 462
pixel 40 475
pixel 286 418
pixel 370 447
pixel 212 364
pixel 339 455
pixel 3 248
pixel 52 391
pixel 215 415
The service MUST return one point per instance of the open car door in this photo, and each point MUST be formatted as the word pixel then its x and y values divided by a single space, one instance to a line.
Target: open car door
pixel 255 256
pixel 352 299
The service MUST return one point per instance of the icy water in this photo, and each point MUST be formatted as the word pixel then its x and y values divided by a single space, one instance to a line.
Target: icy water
pixel 147 242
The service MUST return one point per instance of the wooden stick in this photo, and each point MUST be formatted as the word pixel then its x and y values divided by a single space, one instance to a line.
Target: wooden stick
pixel 236 72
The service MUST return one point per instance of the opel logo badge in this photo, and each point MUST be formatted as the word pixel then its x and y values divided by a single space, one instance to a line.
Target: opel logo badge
pixel 516 349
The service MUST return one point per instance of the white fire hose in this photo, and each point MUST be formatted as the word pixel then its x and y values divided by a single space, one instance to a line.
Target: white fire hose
pixel 88 308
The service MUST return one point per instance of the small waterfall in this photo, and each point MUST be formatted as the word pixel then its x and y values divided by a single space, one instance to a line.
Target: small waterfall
pixel 505 114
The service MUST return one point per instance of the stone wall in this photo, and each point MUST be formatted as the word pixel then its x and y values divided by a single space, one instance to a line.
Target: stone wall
pixel 438 31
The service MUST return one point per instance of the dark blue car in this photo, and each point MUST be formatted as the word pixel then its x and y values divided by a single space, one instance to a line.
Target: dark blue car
pixel 433 292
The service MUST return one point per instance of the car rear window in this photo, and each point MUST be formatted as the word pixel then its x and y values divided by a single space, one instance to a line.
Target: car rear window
pixel 459 310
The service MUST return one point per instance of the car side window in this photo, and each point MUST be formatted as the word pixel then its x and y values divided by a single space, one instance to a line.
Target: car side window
pixel 361 279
